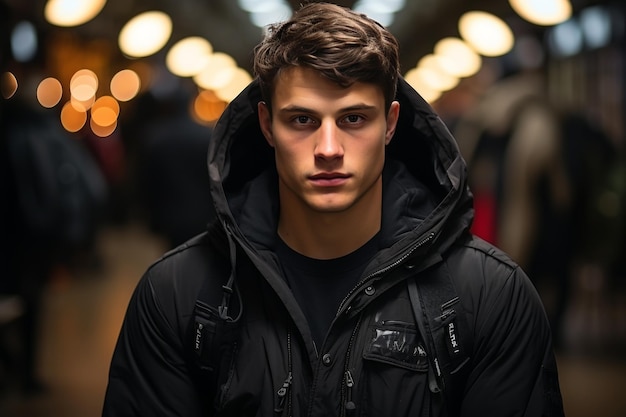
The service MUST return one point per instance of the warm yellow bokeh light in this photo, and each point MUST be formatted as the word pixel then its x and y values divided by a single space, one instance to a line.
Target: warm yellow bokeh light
pixel 103 116
pixel 207 107
pixel 72 12
pixel 241 78
pixel 72 120
pixel 543 12
pixel 125 85
pixel 83 85
pixel 145 34
pixel 189 56
pixel 82 105
pixel 486 33
pixel 8 85
pixel 418 83
pixel 436 80
pixel 105 111
pixel 441 79
pixel 83 92
pixel 218 72
pixel 102 131
pixel 49 92
pixel 457 58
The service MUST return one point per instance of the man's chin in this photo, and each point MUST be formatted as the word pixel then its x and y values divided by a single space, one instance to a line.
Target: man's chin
pixel 330 207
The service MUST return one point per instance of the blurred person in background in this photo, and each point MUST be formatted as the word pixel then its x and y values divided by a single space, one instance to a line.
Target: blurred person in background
pixel 535 170
pixel 522 192
pixel 56 195
pixel 52 196
pixel 171 168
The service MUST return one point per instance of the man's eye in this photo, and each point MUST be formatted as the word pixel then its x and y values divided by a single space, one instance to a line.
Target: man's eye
pixel 302 119
pixel 353 118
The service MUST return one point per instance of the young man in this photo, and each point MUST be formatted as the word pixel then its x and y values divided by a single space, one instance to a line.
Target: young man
pixel 327 240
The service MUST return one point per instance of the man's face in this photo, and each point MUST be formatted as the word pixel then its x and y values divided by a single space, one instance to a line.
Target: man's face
pixel 329 141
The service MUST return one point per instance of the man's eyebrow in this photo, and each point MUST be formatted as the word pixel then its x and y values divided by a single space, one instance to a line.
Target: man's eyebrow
pixel 295 109
pixel 300 109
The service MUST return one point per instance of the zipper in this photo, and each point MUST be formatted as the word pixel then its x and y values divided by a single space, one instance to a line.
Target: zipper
pixel 349 404
pixel 284 392
pixel 397 262
pixel 399 323
pixel 346 389
pixel 282 395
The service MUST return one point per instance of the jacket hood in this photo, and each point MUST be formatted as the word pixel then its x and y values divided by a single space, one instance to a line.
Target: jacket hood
pixel 425 176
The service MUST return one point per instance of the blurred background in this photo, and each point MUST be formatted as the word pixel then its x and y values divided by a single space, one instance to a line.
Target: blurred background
pixel 107 110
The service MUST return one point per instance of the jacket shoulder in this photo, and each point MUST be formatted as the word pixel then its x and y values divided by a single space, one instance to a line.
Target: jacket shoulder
pixel 476 260
pixel 487 279
pixel 485 249
pixel 177 277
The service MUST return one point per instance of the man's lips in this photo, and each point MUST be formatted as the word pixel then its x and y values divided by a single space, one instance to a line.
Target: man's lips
pixel 328 179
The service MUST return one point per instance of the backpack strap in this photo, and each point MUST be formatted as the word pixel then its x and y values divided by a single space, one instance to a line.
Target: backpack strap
pixel 434 302
pixel 214 331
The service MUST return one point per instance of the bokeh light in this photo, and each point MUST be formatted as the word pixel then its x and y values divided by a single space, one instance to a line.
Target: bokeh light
pixel 72 12
pixel 8 85
pixel 241 78
pixel 105 111
pixel 24 43
pixel 486 33
pixel 102 131
pixel 83 88
pixel 208 107
pixel 125 85
pixel 72 119
pixel 430 68
pixel 543 12
pixel 218 72
pixel 420 85
pixel 189 56
pixel 457 57
pixel 49 92
pixel 145 34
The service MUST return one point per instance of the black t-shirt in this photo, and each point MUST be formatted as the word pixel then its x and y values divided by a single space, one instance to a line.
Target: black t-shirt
pixel 319 285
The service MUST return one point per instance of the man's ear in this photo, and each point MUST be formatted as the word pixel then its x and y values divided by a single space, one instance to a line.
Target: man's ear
pixel 265 121
pixel 392 121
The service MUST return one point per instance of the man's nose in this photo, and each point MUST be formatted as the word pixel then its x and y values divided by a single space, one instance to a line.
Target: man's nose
pixel 329 144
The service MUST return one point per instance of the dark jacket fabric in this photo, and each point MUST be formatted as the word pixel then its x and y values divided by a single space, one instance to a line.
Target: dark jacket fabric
pixel 372 362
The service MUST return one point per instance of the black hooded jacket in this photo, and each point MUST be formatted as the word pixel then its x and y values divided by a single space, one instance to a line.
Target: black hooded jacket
pixel 427 212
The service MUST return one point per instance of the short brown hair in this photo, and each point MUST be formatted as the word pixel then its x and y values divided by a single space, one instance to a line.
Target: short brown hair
pixel 344 46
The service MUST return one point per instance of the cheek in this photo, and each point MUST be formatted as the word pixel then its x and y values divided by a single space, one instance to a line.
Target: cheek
pixel 372 159
pixel 284 153
pixel 288 158
pixel 290 147
pixel 371 151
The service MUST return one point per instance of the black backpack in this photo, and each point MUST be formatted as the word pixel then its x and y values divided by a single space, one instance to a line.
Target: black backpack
pixel 61 191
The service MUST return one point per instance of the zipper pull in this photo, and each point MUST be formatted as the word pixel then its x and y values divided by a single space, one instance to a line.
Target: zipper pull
pixel 282 394
pixel 349 405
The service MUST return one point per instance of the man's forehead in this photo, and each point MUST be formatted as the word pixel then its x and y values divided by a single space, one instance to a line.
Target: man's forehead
pixel 294 82
pixel 296 74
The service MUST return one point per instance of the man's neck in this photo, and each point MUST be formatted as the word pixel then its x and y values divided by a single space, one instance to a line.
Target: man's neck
pixel 322 235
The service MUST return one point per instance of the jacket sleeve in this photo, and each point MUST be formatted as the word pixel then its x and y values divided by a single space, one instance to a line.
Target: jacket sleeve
pixel 513 371
pixel 149 373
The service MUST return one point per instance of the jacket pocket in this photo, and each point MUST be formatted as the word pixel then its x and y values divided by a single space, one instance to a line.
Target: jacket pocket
pixel 392 379
pixel 396 343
